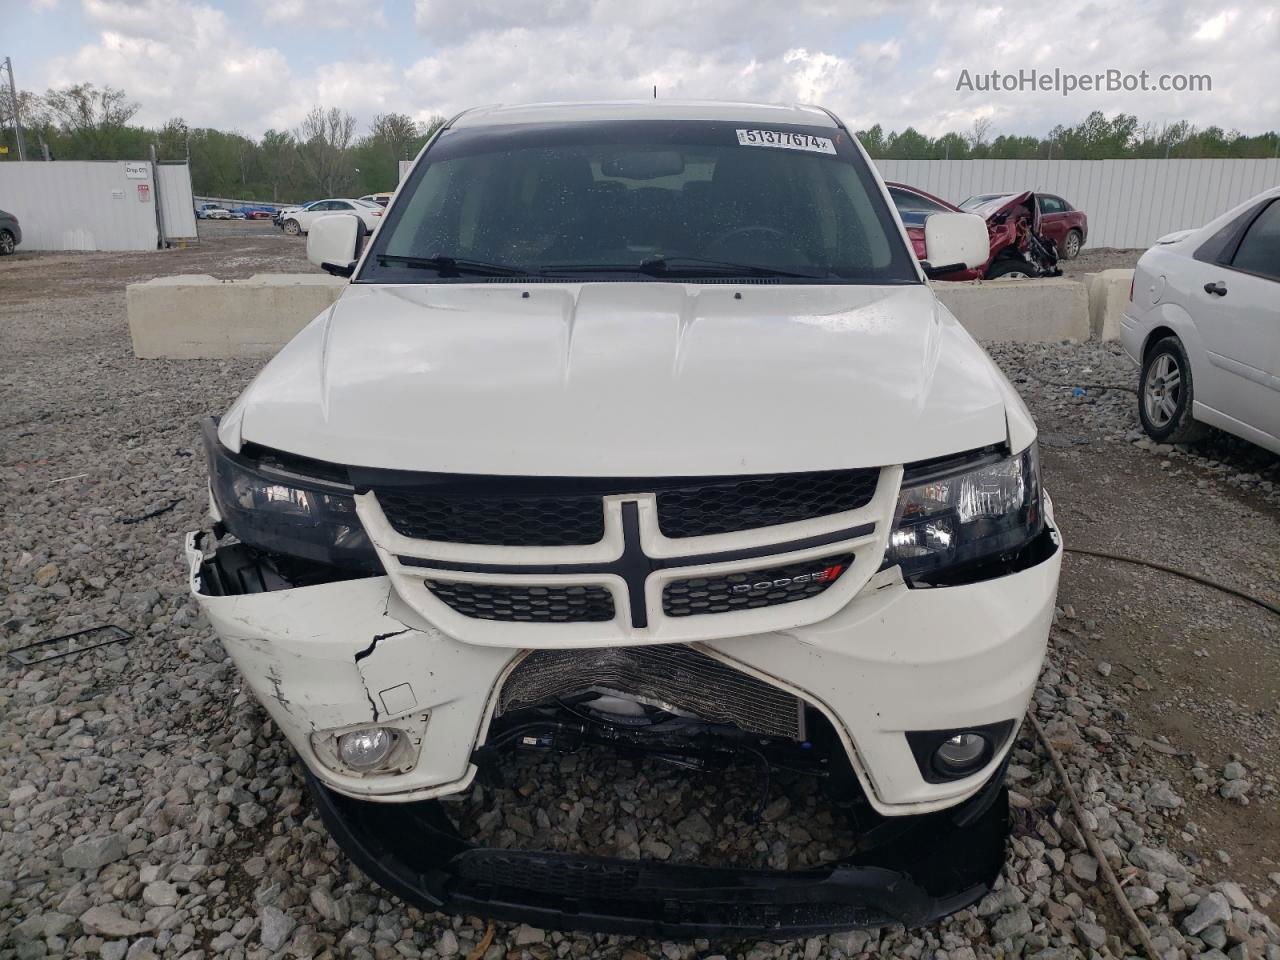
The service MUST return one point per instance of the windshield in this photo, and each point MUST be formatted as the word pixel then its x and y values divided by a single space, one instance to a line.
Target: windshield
pixel 646 200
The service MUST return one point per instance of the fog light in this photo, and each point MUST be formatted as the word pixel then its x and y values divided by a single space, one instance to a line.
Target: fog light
pixel 961 752
pixel 366 749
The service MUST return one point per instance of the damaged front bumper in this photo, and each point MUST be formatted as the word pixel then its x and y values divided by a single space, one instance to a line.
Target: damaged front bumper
pixel 336 656
pixel 921 870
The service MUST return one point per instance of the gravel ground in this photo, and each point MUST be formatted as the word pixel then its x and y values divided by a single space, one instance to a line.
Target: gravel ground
pixel 1093 259
pixel 149 809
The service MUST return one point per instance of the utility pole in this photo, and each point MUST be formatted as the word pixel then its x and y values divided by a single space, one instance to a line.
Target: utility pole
pixel 13 100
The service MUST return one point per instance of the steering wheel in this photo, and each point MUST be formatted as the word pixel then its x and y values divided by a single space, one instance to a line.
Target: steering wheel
pixel 730 234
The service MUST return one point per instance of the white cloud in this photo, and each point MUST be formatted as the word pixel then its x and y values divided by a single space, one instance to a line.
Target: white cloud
pixel 203 72
pixel 330 14
pixel 871 62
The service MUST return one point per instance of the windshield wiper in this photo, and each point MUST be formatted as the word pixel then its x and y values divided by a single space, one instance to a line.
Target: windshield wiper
pixel 683 267
pixel 454 266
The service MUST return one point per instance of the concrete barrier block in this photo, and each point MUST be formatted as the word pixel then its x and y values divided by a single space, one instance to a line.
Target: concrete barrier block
pixel 197 316
pixel 1108 298
pixel 1031 311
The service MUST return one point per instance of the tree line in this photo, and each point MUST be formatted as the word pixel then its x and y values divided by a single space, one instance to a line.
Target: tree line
pixel 324 155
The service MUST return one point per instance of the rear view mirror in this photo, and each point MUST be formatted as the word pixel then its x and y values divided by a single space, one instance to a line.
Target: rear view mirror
pixel 644 165
pixel 333 243
pixel 955 241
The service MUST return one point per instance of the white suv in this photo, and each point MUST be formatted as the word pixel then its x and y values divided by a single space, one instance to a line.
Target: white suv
pixel 639 424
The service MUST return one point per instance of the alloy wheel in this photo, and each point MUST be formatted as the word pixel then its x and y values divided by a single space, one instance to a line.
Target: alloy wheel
pixel 1161 391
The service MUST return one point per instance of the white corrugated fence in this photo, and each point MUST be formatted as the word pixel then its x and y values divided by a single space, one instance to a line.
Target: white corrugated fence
pixel 1129 202
pixel 95 205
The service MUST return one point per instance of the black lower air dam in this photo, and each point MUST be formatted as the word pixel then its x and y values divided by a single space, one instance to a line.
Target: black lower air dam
pixel 913 871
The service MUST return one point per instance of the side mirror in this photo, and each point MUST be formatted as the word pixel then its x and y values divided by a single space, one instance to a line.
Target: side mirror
pixel 333 243
pixel 954 241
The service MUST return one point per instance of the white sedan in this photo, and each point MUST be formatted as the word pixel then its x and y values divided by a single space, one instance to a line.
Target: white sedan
pixel 295 222
pixel 1204 324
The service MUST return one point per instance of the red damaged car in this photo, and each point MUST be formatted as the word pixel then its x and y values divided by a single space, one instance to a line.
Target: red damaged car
pixel 1018 245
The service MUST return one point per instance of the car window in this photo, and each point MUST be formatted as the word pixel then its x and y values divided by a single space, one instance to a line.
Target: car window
pixel 1220 247
pixel 907 200
pixel 1259 250
pixel 340 205
pixel 1050 204
pixel 553 198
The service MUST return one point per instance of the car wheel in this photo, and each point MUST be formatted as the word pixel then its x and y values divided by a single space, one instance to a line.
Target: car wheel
pixel 292 228
pixel 1072 244
pixel 1165 394
pixel 1011 269
pixel 6 243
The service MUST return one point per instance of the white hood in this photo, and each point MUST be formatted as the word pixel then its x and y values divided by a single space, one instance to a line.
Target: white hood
pixel 628 379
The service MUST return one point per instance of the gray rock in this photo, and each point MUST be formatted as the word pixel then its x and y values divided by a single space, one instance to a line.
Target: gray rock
pixel 1215 936
pixel 114 950
pixel 95 853
pixel 107 922
pixel 526 935
pixel 1161 796
pixel 850 942
pixel 276 927
pixel 1236 790
pixel 160 894
pixel 1159 861
pixel 1084 867
pixel 1015 923
pixel 1212 908
pixel 1092 934
pixel 695 827
pixel 1234 771
pixel 1235 896
pixel 447 945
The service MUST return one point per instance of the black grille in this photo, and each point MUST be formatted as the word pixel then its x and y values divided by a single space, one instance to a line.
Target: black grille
pixel 567 511
pixel 526 604
pixel 753 588
pixel 664 673
pixel 551 874
pixel 728 505
pixel 501 521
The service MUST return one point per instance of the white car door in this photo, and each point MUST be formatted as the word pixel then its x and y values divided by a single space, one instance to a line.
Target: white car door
pixel 1237 313
pixel 308 216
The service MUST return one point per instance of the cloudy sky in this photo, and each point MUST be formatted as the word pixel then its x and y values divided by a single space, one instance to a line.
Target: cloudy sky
pixel 253 65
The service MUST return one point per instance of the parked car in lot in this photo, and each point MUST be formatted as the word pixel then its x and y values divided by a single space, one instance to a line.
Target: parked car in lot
pixel 639 426
pixel 1203 323
pixel 299 221
pixel 381 199
pixel 10 233
pixel 1060 222
pixel 1015 245
pixel 284 212
pixel 258 213
pixel 211 211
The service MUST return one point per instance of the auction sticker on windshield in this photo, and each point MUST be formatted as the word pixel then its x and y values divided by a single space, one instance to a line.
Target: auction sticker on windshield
pixel 786 140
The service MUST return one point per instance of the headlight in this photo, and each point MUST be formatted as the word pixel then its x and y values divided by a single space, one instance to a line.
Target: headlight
pixel 949 519
pixel 272 508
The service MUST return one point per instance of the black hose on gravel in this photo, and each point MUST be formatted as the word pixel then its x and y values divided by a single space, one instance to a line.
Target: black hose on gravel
pixel 1257 601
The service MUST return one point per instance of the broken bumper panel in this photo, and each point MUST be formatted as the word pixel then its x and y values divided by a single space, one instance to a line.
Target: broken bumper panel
pixel 929 866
